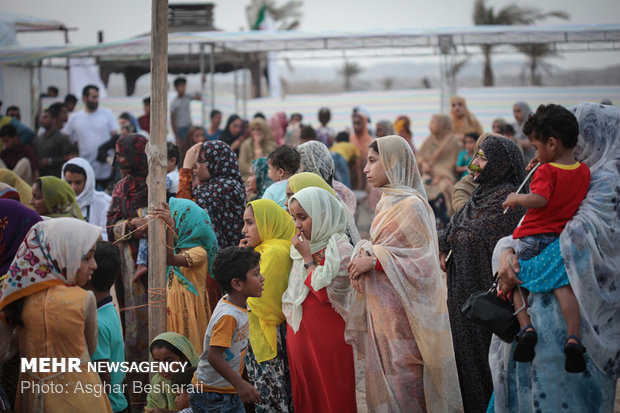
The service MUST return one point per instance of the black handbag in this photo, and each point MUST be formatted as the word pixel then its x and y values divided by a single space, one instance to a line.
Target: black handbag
pixel 486 309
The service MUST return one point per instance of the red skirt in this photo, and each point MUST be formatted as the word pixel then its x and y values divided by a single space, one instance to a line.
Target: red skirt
pixel 320 362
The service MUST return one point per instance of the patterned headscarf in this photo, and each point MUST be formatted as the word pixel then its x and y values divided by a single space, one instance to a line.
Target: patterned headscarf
pixel 502 175
pixel 131 192
pixel 194 229
pixel 59 198
pixel 261 171
pixel 223 195
pixel 15 221
pixel 589 242
pixel 50 254
pixel 315 157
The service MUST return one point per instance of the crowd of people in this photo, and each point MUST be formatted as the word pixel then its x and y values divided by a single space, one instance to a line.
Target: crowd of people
pixel 272 296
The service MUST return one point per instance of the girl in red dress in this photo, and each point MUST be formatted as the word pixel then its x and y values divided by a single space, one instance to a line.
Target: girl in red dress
pixel 321 363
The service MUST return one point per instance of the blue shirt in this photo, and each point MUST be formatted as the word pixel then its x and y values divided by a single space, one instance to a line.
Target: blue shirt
pixel 110 346
pixel 463 160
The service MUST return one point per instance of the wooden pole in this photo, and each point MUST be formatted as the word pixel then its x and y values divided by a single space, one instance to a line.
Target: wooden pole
pixel 156 153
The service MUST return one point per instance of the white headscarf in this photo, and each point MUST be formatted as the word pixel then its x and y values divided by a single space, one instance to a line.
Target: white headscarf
pixel 328 226
pixel 87 195
pixel 400 167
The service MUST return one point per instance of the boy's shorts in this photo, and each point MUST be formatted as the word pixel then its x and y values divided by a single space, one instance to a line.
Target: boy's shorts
pixel 211 402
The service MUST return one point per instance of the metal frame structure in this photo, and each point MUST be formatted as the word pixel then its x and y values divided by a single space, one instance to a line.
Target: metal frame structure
pixel 447 43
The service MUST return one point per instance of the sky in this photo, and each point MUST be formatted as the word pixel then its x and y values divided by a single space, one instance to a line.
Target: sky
pixel 120 19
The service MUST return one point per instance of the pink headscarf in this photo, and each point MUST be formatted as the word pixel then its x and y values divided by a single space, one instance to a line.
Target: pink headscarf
pixel 278 124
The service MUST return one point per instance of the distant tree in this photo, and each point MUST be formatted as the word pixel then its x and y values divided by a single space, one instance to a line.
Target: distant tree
pixel 348 71
pixel 388 82
pixel 509 15
pixel 536 53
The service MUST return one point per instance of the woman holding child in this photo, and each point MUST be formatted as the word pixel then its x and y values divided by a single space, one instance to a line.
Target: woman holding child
pixel 400 298
pixel 268 229
pixel 471 235
pixel 315 305
pixel 590 257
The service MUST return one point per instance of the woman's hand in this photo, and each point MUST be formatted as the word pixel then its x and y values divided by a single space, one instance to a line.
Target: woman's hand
pixel 245 243
pixel 191 156
pixel 140 227
pixel 442 261
pixel 163 212
pixel 508 270
pixel 360 266
pixel 302 245
pixel 358 283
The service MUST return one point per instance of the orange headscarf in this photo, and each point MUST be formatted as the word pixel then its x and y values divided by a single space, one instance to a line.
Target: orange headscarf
pixel 363 140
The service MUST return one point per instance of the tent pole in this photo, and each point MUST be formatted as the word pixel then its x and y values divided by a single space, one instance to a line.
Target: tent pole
pixel 156 154
pixel 212 73
pixel 203 116
pixel 236 91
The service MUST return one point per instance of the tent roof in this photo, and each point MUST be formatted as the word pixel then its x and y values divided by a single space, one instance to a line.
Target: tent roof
pixel 565 37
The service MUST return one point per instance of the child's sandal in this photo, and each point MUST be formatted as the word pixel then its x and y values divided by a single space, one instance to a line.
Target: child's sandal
pixel 575 362
pixel 526 341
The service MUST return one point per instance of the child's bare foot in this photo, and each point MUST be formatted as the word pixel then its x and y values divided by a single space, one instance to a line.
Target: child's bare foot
pixel 526 341
pixel 140 271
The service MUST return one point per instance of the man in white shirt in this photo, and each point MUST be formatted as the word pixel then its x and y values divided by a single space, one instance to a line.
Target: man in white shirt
pixel 90 128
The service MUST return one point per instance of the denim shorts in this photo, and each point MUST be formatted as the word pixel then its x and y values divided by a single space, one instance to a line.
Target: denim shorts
pixel 532 245
pixel 210 402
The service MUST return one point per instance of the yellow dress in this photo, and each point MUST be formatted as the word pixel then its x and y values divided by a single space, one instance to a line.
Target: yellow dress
pixel 60 322
pixel 187 313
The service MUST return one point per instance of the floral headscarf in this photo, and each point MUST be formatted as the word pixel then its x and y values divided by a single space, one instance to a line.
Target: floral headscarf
pixel 400 166
pixel 50 254
pixel 261 171
pixel 194 229
pixel 15 221
pixel 223 195
pixel 59 198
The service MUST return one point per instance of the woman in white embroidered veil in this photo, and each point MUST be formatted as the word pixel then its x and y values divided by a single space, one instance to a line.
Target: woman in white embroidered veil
pixel 398 316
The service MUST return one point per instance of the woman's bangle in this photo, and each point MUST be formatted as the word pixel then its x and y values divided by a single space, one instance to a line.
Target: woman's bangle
pixel 308 264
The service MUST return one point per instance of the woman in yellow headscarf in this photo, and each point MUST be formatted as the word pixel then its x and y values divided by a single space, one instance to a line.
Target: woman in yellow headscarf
pixel 303 180
pixel 269 229
pixel 10 178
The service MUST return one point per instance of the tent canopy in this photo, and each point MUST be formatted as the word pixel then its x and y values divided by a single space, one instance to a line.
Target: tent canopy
pixel 604 37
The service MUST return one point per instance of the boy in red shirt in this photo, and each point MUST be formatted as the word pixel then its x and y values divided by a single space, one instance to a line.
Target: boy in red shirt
pixel 557 188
